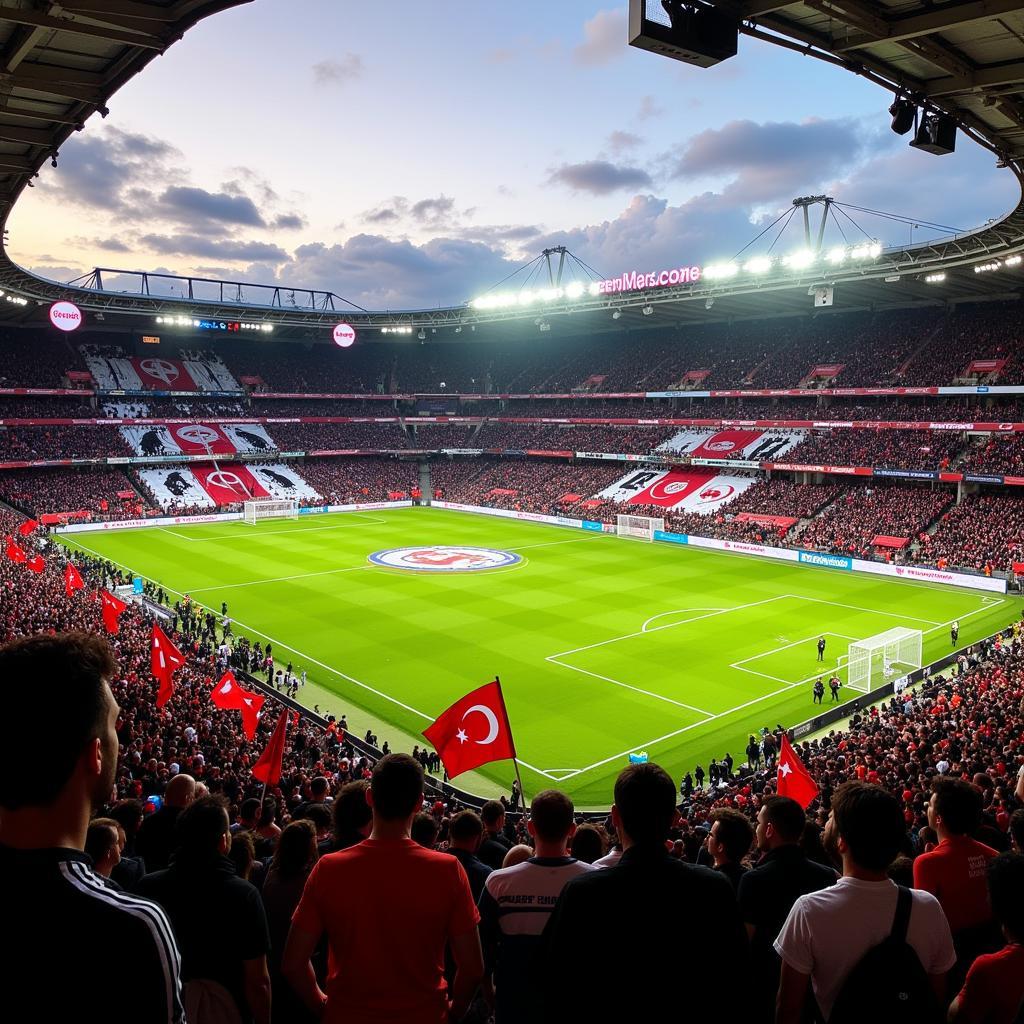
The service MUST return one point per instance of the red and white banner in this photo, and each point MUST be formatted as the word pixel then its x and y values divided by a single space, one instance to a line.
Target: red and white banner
pixel 725 443
pixel 986 366
pixel 783 522
pixel 162 374
pixel 829 370
pixel 201 439
pixel 694 490
pixel 229 484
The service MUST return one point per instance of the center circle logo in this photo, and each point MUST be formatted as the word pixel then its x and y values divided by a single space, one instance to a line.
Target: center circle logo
pixel 444 558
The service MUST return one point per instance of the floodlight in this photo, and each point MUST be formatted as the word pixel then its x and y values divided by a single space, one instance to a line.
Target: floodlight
pixel 647 310
pixel 936 134
pixel 904 113
pixel 759 265
pixel 836 255
pixel 616 314
pixel 799 259
pixel 574 290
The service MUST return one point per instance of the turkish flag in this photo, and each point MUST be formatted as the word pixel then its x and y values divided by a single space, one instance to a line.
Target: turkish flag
pixel 165 660
pixel 268 768
pixel 15 552
pixel 227 694
pixel 473 731
pixel 793 779
pixel 252 704
pixel 28 526
pixel 36 564
pixel 112 609
pixel 72 579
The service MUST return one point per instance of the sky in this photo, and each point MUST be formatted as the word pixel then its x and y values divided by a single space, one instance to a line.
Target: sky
pixel 414 153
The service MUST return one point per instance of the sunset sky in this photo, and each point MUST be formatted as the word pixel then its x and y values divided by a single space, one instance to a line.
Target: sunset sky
pixel 413 153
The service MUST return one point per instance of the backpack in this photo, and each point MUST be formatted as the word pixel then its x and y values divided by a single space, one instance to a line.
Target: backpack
pixel 889 983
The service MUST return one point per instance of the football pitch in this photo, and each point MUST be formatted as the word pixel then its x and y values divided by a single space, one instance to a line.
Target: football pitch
pixel 604 646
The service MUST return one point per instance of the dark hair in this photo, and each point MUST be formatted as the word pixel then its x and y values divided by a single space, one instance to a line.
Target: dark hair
pixel 72 669
pixel 397 786
pixel 296 850
pixel 551 814
pixel 786 816
pixel 268 812
pixel 242 853
pixel 871 822
pixel 100 836
pixel 901 871
pixel 351 813
pixel 588 843
pixel 491 812
pixel 645 796
pixel 319 786
pixel 1006 892
pixel 250 809
pixel 199 828
pixel 319 814
pixel 128 814
pixel 424 830
pixel 735 832
pixel 959 804
pixel 1017 827
pixel 464 826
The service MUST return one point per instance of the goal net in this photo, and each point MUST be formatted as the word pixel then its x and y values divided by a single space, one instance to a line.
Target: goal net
pixel 882 658
pixel 269 508
pixel 638 526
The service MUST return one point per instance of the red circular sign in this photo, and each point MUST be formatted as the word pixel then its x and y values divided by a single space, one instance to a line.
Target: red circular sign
pixel 344 335
pixel 66 316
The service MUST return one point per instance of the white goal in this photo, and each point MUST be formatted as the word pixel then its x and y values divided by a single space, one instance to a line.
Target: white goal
pixel 638 526
pixel 883 658
pixel 269 508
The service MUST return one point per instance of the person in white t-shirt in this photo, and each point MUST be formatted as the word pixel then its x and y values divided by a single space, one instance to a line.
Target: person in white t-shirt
pixel 828 932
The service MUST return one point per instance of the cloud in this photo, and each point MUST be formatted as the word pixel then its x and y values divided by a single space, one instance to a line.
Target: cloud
pixel 600 177
pixel 289 221
pixel 619 141
pixel 604 39
pixel 347 68
pixel 228 249
pixel 186 202
pixel 648 109
pixel 433 209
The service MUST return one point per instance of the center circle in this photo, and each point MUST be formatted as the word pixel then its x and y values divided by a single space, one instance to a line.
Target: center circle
pixel 444 558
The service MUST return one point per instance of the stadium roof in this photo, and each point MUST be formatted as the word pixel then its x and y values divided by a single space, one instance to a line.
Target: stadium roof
pixel 60 63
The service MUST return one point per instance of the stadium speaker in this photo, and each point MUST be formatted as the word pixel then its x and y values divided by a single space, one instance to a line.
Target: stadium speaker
pixel 686 30
pixel 903 114
pixel 936 134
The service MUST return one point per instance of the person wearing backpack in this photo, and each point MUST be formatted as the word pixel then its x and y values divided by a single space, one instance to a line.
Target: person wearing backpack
pixel 868 949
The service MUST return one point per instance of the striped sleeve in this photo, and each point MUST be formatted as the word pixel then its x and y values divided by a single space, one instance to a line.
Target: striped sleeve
pixel 161 960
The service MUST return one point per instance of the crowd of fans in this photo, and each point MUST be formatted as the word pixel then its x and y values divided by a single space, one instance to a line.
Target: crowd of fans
pixel 30 443
pixel 301 437
pixel 903 449
pixel 1001 454
pixel 94 492
pixel 348 481
pixel 984 532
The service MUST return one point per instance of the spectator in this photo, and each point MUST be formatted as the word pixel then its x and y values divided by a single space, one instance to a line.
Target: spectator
pixel 954 872
pixel 156 837
pixel 129 868
pixel 103 844
pixel 729 842
pixel 352 816
pixel 517 855
pixel 767 893
pixel 994 990
pixel 515 906
pixel 464 835
pixel 377 970
pixel 828 932
pixel 588 843
pixel 617 937
pixel 56 910
pixel 494 845
pixel 424 831
pixel 1017 830
pixel 218 918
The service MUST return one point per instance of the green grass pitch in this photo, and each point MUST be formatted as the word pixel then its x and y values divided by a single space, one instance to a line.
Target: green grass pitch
pixel 604 646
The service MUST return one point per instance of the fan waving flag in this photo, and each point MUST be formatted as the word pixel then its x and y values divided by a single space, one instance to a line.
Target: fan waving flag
pixel 112 609
pixel 227 694
pixel 15 552
pixel 268 768
pixel 72 579
pixel 36 564
pixel 165 660
pixel 473 731
pixel 28 526
pixel 793 778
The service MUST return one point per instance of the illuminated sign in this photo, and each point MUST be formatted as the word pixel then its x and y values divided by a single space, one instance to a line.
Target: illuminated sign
pixel 150 339
pixel 230 326
pixel 344 335
pixel 66 316
pixel 638 280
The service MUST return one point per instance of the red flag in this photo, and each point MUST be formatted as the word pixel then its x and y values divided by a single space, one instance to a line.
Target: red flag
pixel 72 580
pixel 36 564
pixel 112 609
pixel 15 552
pixel 793 779
pixel 473 731
pixel 268 768
pixel 165 660
pixel 28 526
pixel 229 695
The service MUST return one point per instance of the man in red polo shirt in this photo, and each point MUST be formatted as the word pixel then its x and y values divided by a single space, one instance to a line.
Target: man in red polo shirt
pixel 954 872
pixel 388 907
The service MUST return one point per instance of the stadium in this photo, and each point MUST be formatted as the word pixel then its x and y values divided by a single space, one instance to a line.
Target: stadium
pixel 743 519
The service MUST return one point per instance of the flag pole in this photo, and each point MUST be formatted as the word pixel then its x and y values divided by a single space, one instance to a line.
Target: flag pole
pixel 515 760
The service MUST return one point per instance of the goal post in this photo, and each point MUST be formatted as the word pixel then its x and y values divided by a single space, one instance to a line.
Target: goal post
pixel 269 508
pixel 878 659
pixel 638 526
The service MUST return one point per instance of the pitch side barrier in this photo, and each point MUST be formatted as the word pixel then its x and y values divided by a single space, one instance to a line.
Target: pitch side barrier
pixel 833 715
pixel 817 559
pixel 218 517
